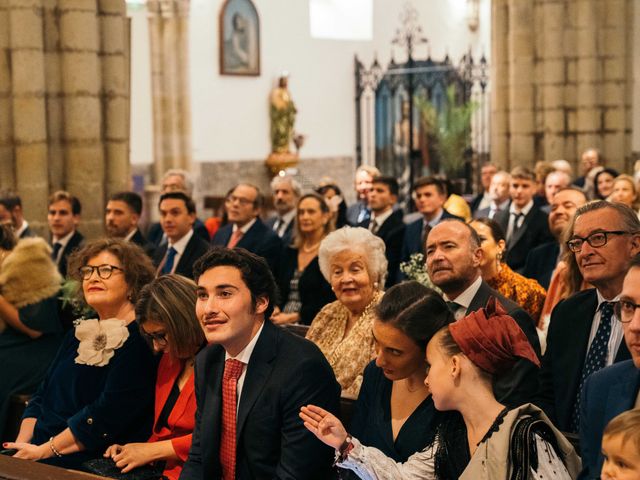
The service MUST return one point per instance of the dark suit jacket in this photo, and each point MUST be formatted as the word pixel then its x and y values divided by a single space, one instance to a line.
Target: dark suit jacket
pixel 606 393
pixel 139 240
pixel 315 292
pixel 76 241
pixel 541 261
pixel 288 233
pixel 196 247
pixel 412 242
pixel 27 233
pixel 475 202
pixel 259 239
pixel 154 235
pixel 533 232
pixel 285 372
pixel 520 383
pixel 564 358
pixel 392 233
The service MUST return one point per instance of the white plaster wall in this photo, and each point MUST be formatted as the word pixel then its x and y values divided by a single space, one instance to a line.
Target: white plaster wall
pixel 230 118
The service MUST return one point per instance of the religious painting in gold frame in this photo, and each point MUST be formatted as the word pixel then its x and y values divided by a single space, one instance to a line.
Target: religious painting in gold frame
pixel 239 37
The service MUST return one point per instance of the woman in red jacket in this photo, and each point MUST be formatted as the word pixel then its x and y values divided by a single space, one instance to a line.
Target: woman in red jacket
pixel 165 312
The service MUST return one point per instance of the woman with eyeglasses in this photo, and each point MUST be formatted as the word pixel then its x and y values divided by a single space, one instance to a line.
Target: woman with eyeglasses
pixel 99 388
pixel 166 315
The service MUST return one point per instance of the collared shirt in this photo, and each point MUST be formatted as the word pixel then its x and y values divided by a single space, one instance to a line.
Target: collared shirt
pixel 465 298
pixel 283 222
pixel 617 333
pixel 378 220
pixel 495 208
pixel 24 226
pixel 245 228
pixel 130 235
pixel 244 356
pixel 62 241
pixel 180 247
pixel 513 212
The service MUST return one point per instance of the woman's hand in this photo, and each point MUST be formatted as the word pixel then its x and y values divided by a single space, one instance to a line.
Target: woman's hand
pixel 324 425
pixel 29 451
pixel 133 455
pixel 282 318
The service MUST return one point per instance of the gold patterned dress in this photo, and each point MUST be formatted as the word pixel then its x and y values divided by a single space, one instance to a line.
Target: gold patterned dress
pixel 348 355
pixel 526 292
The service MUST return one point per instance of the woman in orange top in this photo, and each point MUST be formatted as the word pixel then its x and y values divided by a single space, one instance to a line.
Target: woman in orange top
pixel 166 315
pixel 526 292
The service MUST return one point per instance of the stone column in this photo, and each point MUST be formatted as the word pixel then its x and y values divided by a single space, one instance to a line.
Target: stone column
pixel 168 26
pixel 500 83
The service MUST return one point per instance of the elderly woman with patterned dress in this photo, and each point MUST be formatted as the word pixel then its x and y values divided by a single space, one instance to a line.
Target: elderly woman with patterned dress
pixel 303 289
pixel 526 292
pixel 30 328
pixel 99 388
pixel 353 261
pixel 480 438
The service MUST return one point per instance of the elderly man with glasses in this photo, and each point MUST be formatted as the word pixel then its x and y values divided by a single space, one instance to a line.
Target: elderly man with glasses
pixel 585 333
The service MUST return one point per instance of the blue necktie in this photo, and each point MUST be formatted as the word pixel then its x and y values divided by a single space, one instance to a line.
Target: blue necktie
pixel 168 265
pixel 596 357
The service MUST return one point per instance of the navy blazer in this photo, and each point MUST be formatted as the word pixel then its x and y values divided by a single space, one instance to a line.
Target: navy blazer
pixel 259 239
pixel 392 234
pixel 541 262
pixel 605 394
pixel 288 233
pixel 412 242
pixel 75 242
pixel 196 247
pixel 139 240
pixel 284 373
pixel 567 340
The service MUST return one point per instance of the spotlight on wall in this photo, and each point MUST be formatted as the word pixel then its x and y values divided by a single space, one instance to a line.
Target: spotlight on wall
pixel 473 14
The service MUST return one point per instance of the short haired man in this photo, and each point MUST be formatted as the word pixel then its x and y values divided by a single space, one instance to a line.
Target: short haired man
pixel 121 219
pixel 429 195
pixel 453 263
pixel 525 225
pixel 543 259
pixel 176 179
pixel 63 217
pixel 183 247
pixel 590 159
pixel 359 212
pixel 245 229
pixel 614 389
pixel 286 192
pixel 11 214
pixel 553 182
pixel 584 333
pixel 499 195
pixel 483 199
pixel 386 222
pixel 253 379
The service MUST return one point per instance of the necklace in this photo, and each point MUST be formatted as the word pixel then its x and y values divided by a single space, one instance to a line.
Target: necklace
pixel 310 249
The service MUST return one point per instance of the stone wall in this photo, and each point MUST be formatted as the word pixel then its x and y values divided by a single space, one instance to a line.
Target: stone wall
pixel 562 80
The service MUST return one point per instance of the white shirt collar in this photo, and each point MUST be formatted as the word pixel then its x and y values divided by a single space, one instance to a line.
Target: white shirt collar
pixel 525 211
pixel 602 299
pixel 245 228
pixel 64 240
pixel 181 244
pixel 435 220
pixel 465 298
pixel 380 219
pixel 245 355
pixel 24 226
pixel 130 235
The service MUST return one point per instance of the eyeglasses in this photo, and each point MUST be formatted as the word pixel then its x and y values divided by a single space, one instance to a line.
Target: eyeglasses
pixel 159 337
pixel 104 271
pixel 242 201
pixel 596 240
pixel 625 310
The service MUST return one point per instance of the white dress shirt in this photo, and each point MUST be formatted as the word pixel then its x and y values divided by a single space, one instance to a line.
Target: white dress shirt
pixel 244 356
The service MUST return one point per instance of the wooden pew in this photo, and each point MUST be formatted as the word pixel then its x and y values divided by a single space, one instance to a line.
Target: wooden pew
pixel 14 469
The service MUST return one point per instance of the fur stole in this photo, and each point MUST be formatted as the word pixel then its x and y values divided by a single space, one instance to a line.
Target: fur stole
pixel 28 274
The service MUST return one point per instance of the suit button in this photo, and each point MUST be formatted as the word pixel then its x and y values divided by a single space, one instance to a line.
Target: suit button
pixel 89 421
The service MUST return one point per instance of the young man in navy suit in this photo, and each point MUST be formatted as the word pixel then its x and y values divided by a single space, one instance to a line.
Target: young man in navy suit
pixel 253 379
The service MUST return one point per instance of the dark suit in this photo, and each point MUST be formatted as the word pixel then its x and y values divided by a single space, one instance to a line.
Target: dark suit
pixel 27 233
pixel 412 242
pixel 284 373
pixel 155 233
pixel 76 241
pixel 520 383
pixel 259 239
pixel 196 247
pixel 392 233
pixel 606 393
pixel 541 262
pixel 287 237
pixel 475 202
pixel 533 232
pixel 139 240
pixel 562 364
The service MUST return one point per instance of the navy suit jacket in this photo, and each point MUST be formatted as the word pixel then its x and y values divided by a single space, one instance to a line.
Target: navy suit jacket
pixel 541 261
pixel 139 240
pixel 75 242
pixel 567 340
pixel 259 239
pixel 288 233
pixel 196 247
pixel 605 394
pixel 392 234
pixel 284 373
pixel 412 242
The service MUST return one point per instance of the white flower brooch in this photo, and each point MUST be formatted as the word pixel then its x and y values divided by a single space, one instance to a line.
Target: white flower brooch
pixel 99 339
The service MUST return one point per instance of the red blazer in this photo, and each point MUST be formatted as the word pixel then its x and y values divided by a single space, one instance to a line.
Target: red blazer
pixel 182 418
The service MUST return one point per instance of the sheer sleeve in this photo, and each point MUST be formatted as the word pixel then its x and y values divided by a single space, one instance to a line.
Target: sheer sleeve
pixel 550 465
pixel 371 464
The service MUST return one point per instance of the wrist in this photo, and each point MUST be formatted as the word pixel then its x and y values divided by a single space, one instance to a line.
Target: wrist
pixel 51 450
pixel 346 447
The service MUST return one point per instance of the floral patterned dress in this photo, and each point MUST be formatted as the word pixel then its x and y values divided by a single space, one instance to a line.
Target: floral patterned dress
pixel 526 292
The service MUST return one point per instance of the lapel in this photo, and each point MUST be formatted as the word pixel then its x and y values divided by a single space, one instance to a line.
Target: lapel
pixel 247 239
pixel 223 235
pixel 622 394
pixel 579 329
pixel 390 224
pixel 258 372
pixel 517 234
pixel 481 298
pixel 186 259
pixel 211 403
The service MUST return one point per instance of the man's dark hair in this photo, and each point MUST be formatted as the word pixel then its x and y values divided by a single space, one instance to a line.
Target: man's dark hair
pixel 10 200
pixel 417 311
pixel 424 181
pixel 178 195
pixel 61 195
pixel 497 232
pixel 132 199
pixel 254 270
pixel 390 182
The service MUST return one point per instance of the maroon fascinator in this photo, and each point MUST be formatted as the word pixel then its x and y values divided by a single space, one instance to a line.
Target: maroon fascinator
pixel 492 339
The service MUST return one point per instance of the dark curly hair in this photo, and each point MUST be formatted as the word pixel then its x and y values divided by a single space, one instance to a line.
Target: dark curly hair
pixel 138 269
